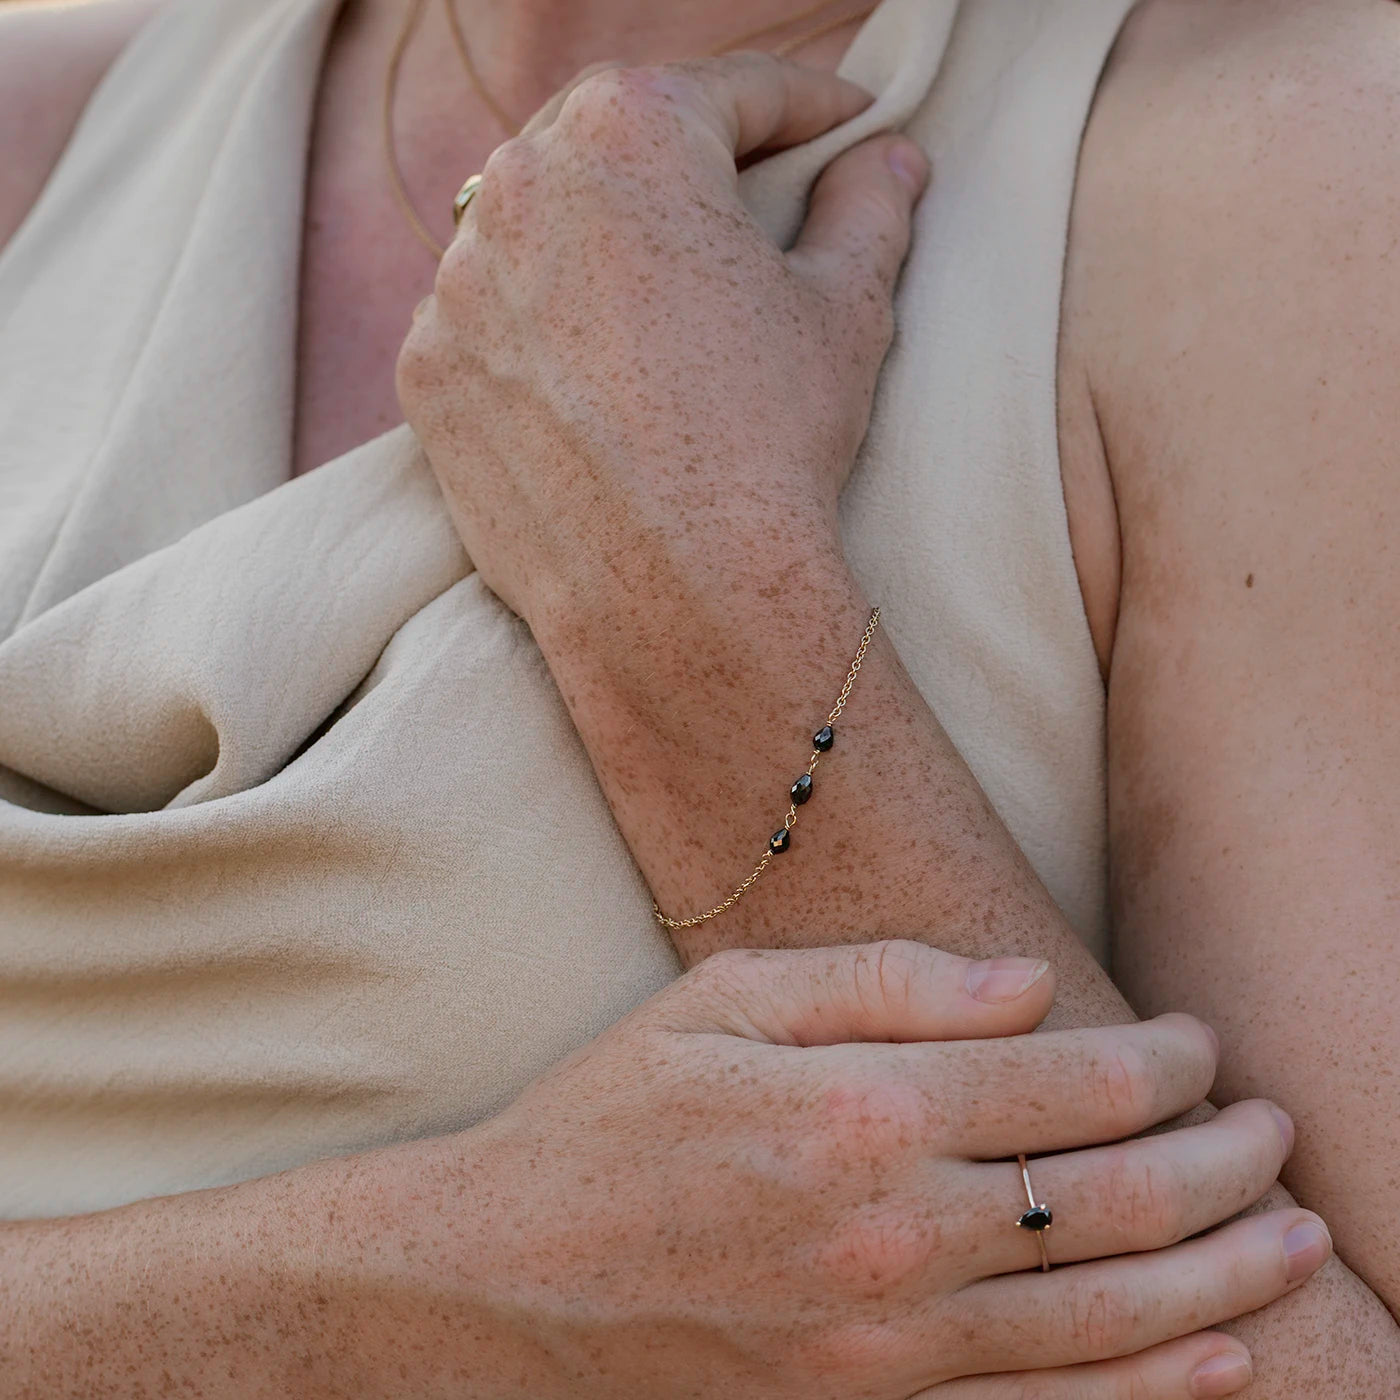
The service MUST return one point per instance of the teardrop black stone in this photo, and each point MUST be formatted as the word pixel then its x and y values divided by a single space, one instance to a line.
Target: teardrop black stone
pixel 802 789
pixel 778 841
pixel 1038 1218
pixel 824 738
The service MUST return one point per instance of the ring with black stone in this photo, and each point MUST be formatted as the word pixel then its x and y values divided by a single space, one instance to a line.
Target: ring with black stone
pixel 1039 1218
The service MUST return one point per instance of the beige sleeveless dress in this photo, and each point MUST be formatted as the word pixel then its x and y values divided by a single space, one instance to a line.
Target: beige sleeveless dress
pixel 299 852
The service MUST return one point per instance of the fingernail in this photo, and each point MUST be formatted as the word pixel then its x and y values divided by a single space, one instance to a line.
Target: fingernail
pixel 1004 979
pixel 909 163
pixel 1306 1247
pixel 1226 1374
pixel 1285 1128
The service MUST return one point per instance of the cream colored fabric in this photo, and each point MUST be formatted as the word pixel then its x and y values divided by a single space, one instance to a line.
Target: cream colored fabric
pixel 299 852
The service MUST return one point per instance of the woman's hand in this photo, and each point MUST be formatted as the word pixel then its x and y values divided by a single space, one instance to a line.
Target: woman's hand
pixel 783 1178
pixel 616 354
pixel 723 1196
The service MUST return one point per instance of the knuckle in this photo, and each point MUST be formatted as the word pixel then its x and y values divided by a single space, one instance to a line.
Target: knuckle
pixel 1144 1199
pixel 887 975
pixel 592 70
pixel 1099 1320
pixel 880 1252
pixel 509 171
pixel 609 102
pixel 421 369
pixel 457 282
pixel 1118 1084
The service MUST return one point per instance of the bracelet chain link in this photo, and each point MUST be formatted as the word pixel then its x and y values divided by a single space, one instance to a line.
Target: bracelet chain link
pixel 790 820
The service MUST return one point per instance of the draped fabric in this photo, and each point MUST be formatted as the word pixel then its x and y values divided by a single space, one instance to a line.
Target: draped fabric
pixel 299 852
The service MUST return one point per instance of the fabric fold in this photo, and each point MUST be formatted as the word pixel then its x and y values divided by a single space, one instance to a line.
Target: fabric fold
pixel 199 670
pixel 299 851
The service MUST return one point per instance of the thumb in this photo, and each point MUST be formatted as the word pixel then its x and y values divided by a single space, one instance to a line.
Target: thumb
pixel 857 230
pixel 896 990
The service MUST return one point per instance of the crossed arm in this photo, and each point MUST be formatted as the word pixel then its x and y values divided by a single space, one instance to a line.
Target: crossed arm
pixel 900 841
pixel 687 745
pixel 1253 808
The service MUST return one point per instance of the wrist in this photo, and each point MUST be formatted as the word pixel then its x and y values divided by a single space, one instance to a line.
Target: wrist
pixel 663 630
pixel 699 712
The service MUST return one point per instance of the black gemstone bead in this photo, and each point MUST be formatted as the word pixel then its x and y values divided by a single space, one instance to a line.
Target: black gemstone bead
pixel 1038 1218
pixel 824 738
pixel 802 789
pixel 779 840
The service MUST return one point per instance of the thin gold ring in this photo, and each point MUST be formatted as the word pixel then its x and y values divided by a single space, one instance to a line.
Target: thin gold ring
pixel 464 197
pixel 1039 1218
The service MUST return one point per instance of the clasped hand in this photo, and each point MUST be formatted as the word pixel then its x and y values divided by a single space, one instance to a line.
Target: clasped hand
pixel 786 1178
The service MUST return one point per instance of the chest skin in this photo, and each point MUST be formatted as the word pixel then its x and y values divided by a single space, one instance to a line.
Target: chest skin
pixel 362 269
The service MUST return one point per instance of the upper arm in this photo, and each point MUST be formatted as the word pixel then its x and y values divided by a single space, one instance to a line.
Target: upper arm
pixel 52 56
pixel 1240 268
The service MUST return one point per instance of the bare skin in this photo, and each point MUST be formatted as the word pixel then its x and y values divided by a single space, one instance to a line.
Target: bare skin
pixel 355 307
pixel 827 1239
pixel 1250 427
pixel 1085 997
pixel 623 539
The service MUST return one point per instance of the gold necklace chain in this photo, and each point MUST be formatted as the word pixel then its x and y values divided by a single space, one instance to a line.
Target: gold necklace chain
pixel 412 16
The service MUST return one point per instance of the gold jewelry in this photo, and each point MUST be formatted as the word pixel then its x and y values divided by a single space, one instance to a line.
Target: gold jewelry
pixel 1039 1218
pixel 464 197
pixel 386 121
pixel 412 16
pixel 800 793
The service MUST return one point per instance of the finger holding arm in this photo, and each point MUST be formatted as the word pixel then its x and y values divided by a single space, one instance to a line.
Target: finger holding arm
pixel 709 1191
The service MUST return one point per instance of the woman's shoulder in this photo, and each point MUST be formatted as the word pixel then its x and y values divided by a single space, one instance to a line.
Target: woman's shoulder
pixel 1237 141
pixel 52 57
pixel 1276 84
pixel 1234 140
pixel 1236 203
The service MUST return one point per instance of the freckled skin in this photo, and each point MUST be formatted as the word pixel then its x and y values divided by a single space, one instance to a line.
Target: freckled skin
pixel 744 569
pixel 799 1218
pixel 258 1328
pixel 628 554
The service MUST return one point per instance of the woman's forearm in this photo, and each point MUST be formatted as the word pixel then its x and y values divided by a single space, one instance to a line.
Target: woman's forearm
pixel 698 699
pixel 317 1282
pixel 160 1292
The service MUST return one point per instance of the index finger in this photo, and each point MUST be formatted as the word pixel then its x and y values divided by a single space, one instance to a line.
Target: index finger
pixel 754 101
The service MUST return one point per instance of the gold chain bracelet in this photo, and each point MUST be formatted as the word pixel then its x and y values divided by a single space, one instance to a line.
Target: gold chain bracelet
pixel 800 793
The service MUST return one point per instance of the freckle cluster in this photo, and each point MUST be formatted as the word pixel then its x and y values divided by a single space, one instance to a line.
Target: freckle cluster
pixel 799 794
